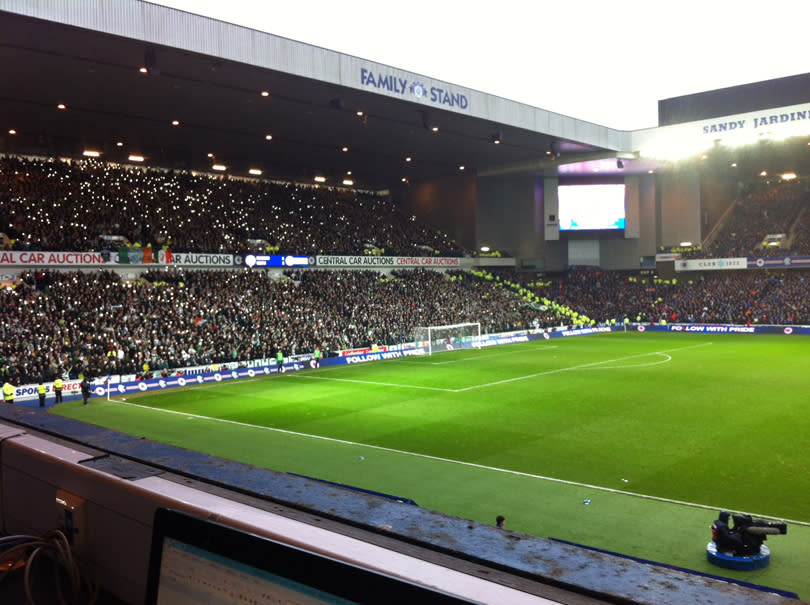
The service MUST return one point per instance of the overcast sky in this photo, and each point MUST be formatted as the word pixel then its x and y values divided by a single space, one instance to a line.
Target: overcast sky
pixel 604 61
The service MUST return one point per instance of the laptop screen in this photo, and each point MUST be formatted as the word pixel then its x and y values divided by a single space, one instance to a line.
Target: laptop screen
pixel 195 560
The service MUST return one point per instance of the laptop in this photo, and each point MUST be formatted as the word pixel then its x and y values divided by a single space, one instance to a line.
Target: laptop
pixel 196 561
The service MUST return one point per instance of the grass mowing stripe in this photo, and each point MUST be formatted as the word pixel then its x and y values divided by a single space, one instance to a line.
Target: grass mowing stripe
pixel 446 460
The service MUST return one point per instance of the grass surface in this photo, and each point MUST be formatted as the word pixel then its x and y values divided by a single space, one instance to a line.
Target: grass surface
pixel 650 427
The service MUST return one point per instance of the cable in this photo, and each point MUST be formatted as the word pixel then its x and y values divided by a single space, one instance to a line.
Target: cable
pixel 16 550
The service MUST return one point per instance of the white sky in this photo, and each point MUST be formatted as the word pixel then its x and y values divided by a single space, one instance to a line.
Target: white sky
pixel 604 61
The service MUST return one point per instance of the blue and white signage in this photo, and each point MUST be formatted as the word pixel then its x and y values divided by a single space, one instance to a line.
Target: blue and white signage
pixel 758 121
pixel 277 260
pixel 415 89
pixel 711 264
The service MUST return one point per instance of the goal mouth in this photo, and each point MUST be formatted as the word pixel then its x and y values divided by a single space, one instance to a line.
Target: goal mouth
pixel 438 339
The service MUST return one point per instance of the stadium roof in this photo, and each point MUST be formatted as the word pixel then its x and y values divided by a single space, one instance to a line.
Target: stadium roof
pixel 220 107
pixel 125 71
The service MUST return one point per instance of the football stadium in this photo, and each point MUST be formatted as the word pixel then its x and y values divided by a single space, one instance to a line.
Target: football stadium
pixel 281 324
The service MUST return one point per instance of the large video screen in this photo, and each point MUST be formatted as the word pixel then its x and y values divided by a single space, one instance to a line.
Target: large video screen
pixel 591 207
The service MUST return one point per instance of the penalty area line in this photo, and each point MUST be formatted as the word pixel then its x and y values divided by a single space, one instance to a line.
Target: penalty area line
pixel 579 367
pixel 371 382
pixel 477 357
pixel 485 467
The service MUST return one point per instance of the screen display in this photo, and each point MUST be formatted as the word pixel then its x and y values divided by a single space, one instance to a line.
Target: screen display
pixel 591 207
pixel 194 560
pixel 191 575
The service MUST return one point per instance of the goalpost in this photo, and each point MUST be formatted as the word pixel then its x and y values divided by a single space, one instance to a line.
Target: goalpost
pixel 436 339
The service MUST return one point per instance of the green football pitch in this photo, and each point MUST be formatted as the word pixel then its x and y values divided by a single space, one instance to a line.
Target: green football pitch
pixel 657 431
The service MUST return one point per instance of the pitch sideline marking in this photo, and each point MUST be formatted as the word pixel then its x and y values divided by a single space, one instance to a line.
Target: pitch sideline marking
pixel 449 461
pixel 579 367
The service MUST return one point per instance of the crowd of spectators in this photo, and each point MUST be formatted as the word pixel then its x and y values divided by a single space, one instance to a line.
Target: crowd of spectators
pixel 764 210
pixel 67 323
pixel 56 323
pixel 67 206
pixel 732 297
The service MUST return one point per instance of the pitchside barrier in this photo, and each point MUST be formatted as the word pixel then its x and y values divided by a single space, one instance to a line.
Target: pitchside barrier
pixel 122 385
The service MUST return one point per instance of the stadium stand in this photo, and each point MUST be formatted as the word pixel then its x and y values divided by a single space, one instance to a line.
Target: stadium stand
pixel 54 323
pixel 763 211
pixel 203 213
pixel 88 199
pixel 736 297
pixel 237 316
pixel 137 320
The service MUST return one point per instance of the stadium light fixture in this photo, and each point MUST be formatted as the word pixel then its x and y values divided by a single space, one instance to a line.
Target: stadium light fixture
pixel 348 182
pixel 409 159
pixel 135 158
pixel 344 149
pixel 119 143
pixel 12 131
pixel 265 93
pixel 496 137
pixel 219 167
pixel 209 154
pixel 320 179
pixel 268 137
pixel 143 70
pixel 61 106
pixel 91 153
pixel 763 173
pixel 671 146
pixel 255 172
pixel 175 122
pixel 484 248
pixel 685 244
pixel 462 167
pixel 788 176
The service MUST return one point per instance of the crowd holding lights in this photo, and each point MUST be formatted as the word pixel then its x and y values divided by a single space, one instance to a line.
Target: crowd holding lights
pixel 66 206
pixel 55 205
pixel 57 323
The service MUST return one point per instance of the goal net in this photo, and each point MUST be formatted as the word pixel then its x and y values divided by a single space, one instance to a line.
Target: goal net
pixel 436 339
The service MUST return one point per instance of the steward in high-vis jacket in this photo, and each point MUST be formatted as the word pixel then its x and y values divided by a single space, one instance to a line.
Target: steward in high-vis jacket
pixel 57 389
pixel 8 392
